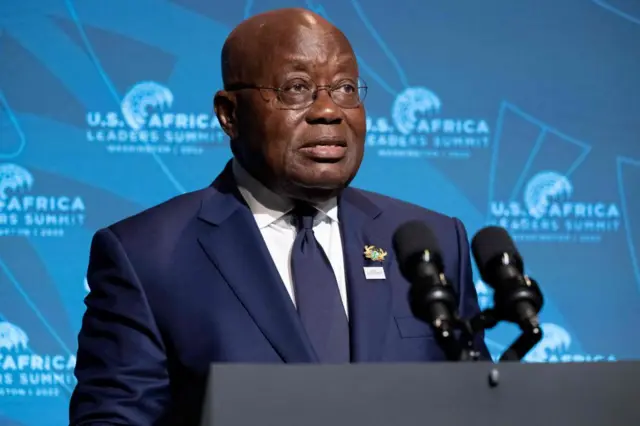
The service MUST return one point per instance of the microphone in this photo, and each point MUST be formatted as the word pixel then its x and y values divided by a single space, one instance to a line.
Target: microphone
pixel 431 298
pixel 517 297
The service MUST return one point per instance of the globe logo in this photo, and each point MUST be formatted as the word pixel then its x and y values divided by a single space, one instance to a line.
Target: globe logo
pixel 15 178
pixel 542 189
pixel 12 337
pixel 411 102
pixel 141 98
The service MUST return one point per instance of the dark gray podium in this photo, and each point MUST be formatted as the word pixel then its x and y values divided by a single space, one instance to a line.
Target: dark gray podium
pixel 442 394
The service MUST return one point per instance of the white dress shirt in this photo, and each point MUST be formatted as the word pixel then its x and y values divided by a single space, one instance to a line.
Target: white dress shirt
pixel 279 231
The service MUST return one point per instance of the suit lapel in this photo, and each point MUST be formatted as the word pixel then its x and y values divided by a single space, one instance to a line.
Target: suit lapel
pixel 236 247
pixel 369 300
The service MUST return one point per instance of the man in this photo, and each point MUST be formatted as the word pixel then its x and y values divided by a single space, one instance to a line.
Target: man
pixel 269 263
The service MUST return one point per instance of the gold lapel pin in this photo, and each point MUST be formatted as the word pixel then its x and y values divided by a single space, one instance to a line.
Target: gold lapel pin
pixel 374 253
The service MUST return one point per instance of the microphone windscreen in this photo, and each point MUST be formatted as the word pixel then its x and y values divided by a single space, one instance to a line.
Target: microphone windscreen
pixel 412 238
pixel 489 243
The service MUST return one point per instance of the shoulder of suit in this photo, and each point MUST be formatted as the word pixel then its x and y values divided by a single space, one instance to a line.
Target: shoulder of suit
pixel 396 206
pixel 172 213
pixel 449 230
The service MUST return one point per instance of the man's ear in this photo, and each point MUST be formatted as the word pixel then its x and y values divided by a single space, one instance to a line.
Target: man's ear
pixel 224 104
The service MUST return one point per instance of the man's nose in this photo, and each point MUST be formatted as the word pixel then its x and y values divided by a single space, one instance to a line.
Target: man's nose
pixel 324 110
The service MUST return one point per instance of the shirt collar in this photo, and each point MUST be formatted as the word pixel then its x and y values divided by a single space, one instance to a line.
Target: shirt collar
pixel 267 206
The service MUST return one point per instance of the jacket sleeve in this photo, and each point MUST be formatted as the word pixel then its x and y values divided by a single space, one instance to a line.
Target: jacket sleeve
pixel 121 365
pixel 468 305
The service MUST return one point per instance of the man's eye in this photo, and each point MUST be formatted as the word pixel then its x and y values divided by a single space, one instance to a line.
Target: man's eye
pixel 347 88
pixel 296 87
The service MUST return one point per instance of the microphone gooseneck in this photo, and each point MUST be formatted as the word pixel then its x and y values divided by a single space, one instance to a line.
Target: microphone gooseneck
pixel 517 297
pixel 431 297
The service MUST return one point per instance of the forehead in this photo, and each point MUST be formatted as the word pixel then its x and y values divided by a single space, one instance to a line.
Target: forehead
pixel 312 50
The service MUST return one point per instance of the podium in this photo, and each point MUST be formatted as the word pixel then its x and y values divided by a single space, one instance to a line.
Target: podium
pixel 443 394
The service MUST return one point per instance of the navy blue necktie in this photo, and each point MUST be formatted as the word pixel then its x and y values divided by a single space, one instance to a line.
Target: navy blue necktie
pixel 317 295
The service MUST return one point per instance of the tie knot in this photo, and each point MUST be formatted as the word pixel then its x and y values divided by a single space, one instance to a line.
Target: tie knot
pixel 304 214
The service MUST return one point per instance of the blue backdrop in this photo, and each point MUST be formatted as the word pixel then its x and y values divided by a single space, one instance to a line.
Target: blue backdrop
pixel 520 113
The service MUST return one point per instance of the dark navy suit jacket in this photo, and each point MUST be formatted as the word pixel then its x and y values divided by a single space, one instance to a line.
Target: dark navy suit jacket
pixel 190 282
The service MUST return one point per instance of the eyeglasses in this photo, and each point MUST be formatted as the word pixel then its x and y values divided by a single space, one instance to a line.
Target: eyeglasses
pixel 299 93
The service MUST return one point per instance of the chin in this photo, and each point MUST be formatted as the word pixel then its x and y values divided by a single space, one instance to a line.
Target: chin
pixel 316 195
pixel 314 188
pixel 318 180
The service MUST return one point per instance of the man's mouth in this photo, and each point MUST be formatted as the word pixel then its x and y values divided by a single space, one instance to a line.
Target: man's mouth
pixel 325 149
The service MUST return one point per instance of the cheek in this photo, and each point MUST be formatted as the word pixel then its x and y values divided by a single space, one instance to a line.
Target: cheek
pixel 282 129
pixel 357 121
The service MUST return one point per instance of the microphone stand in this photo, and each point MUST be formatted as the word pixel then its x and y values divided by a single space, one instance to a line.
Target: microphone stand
pixel 470 328
pixel 445 334
pixel 507 307
pixel 530 336
pixel 517 303
pixel 456 336
pixel 464 350
pixel 436 305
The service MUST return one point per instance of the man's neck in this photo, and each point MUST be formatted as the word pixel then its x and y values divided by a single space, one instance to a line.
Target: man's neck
pixel 261 198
